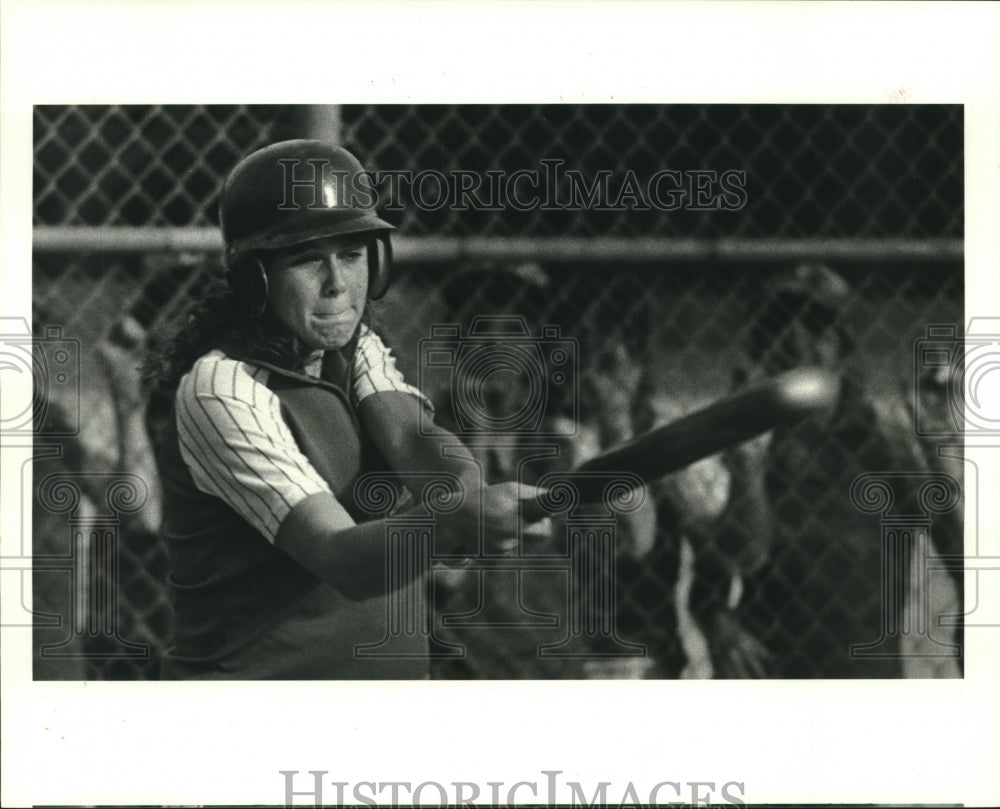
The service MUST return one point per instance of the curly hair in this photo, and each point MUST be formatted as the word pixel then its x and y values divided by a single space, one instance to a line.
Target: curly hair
pixel 217 321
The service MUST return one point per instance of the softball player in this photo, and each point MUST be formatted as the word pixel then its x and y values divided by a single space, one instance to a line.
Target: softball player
pixel 284 398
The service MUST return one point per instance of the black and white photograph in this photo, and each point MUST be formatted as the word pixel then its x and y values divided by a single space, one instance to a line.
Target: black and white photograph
pixel 525 288
pixel 661 413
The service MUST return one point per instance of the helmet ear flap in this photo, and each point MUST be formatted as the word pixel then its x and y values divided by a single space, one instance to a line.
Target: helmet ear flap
pixel 379 266
pixel 248 281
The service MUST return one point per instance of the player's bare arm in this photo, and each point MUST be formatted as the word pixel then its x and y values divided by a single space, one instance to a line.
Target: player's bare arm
pixel 321 536
pixel 412 442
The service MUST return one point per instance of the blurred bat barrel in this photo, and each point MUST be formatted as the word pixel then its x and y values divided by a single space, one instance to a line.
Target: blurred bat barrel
pixel 781 400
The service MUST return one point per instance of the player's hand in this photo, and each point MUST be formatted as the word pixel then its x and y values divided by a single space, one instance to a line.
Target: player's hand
pixel 735 652
pixel 490 517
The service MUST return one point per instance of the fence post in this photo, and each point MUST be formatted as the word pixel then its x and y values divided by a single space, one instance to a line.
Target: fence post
pixel 319 122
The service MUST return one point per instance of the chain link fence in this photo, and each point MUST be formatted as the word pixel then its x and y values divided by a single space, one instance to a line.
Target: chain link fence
pixel 671 308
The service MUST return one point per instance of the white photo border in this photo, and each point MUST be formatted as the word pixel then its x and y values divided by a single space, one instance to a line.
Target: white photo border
pixel 179 744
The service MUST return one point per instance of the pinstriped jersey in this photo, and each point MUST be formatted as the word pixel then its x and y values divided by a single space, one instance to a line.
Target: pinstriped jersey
pixel 238 447
pixel 247 445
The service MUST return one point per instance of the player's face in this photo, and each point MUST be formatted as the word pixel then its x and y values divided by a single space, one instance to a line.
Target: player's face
pixel 318 289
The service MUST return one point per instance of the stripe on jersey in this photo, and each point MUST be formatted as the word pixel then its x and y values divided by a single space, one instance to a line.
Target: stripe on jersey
pixel 375 370
pixel 236 444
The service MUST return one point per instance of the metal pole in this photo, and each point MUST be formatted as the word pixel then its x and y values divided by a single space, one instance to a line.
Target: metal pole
pixel 559 250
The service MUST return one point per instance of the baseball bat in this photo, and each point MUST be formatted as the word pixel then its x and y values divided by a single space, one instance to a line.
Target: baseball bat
pixel 780 400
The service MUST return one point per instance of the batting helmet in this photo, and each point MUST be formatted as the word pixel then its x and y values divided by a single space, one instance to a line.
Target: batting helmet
pixel 293 192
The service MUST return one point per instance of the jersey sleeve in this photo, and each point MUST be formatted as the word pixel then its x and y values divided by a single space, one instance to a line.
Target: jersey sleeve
pixel 236 445
pixel 375 371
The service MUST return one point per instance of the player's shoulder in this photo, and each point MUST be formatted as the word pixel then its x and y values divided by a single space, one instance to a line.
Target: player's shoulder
pixel 369 341
pixel 217 375
pixel 372 355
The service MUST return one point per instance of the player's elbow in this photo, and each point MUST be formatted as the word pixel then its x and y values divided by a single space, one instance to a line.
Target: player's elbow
pixel 318 534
